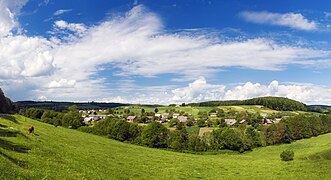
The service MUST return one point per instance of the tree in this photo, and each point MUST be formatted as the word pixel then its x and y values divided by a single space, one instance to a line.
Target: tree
pixel 72 118
pixel 173 122
pixel 142 111
pixel 197 144
pixel 155 135
pixel 287 155
pixel 156 110
pixel 201 123
pixel 179 138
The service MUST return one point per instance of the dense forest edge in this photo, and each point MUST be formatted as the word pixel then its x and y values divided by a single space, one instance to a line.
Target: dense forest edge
pixel 275 103
pixel 6 105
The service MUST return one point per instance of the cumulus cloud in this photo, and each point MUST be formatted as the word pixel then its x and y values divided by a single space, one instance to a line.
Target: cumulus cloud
pixel 8 12
pixel 292 20
pixel 23 56
pixel 136 44
pixel 200 90
pixel 63 83
pixel 197 91
pixel 74 27
pixel 61 11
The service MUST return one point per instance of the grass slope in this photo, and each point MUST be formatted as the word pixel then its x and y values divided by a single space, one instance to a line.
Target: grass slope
pixel 59 153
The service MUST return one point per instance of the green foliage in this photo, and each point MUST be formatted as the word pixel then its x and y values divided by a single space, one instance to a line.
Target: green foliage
pixel 173 122
pixel 6 105
pixel 276 103
pixel 155 135
pixel 287 155
pixel 179 139
pixel 34 113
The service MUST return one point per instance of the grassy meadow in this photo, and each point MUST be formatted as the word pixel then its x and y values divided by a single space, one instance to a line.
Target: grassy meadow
pixel 60 153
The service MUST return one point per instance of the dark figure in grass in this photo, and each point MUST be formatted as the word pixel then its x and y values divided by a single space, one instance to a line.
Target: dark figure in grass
pixel 31 129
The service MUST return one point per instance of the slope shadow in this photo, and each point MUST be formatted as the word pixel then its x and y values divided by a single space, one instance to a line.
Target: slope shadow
pixel 4 144
pixel 9 117
pixel 8 133
pixel 17 162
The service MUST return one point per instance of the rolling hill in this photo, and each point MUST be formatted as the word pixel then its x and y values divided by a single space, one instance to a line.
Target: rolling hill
pixel 275 103
pixel 60 153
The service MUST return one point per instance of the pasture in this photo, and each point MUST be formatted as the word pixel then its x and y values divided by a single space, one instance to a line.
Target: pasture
pixel 60 153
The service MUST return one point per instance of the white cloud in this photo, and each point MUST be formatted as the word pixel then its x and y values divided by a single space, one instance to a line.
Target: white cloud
pixel 61 11
pixel 63 83
pixel 200 90
pixel 23 56
pixel 78 28
pixel 307 93
pixel 8 11
pixel 292 20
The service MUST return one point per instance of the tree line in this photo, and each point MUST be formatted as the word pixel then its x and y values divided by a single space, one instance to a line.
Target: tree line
pixel 276 103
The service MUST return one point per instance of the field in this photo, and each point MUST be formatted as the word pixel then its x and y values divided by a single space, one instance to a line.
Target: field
pixel 59 153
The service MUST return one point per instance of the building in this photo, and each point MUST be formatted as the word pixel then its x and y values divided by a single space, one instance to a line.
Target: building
pixel 131 118
pixel 182 119
pixel 165 115
pixel 175 115
pixel 244 121
pixel 212 114
pixel 230 122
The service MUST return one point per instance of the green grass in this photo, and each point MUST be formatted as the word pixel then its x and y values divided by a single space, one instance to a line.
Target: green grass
pixel 59 153
pixel 193 130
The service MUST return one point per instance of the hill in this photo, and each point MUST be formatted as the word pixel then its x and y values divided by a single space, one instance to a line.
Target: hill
pixel 276 103
pixel 59 106
pixel 6 105
pixel 60 153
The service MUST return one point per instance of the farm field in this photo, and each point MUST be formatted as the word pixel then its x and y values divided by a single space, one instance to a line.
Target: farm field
pixel 60 153
pixel 195 110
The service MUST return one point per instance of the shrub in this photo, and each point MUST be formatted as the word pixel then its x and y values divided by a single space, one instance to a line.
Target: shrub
pixel 287 155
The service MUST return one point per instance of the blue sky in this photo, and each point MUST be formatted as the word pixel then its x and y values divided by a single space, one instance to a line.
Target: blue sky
pixel 166 51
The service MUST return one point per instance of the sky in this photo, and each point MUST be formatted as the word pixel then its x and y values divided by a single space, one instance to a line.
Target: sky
pixel 166 51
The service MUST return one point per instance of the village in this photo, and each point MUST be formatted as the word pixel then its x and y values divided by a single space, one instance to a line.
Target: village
pixel 171 116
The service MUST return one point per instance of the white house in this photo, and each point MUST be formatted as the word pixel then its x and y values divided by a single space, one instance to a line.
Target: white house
pixel 175 115
pixel 182 119
pixel 230 121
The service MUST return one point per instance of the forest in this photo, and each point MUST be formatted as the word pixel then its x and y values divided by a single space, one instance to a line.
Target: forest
pixel 276 103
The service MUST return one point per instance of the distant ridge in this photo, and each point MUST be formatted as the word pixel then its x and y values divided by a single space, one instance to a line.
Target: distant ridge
pixel 59 106
pixel 276 103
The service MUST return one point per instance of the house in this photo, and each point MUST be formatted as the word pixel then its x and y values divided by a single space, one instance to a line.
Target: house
pixel 131 118
pixel 175 115
pixel 244 121
pixel 277 120
pixel 264 115
pixel 230 122
pixel 157 115
pixel 165 115
pixel 162 120
pixel 212 114
pixel 182 119
pixel 88 119
pixel 267 122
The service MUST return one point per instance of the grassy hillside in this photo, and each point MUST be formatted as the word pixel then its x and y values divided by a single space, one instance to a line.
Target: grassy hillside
pixel 58 153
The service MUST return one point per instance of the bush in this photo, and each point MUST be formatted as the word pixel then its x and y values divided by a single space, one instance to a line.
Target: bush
pixel 287 155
